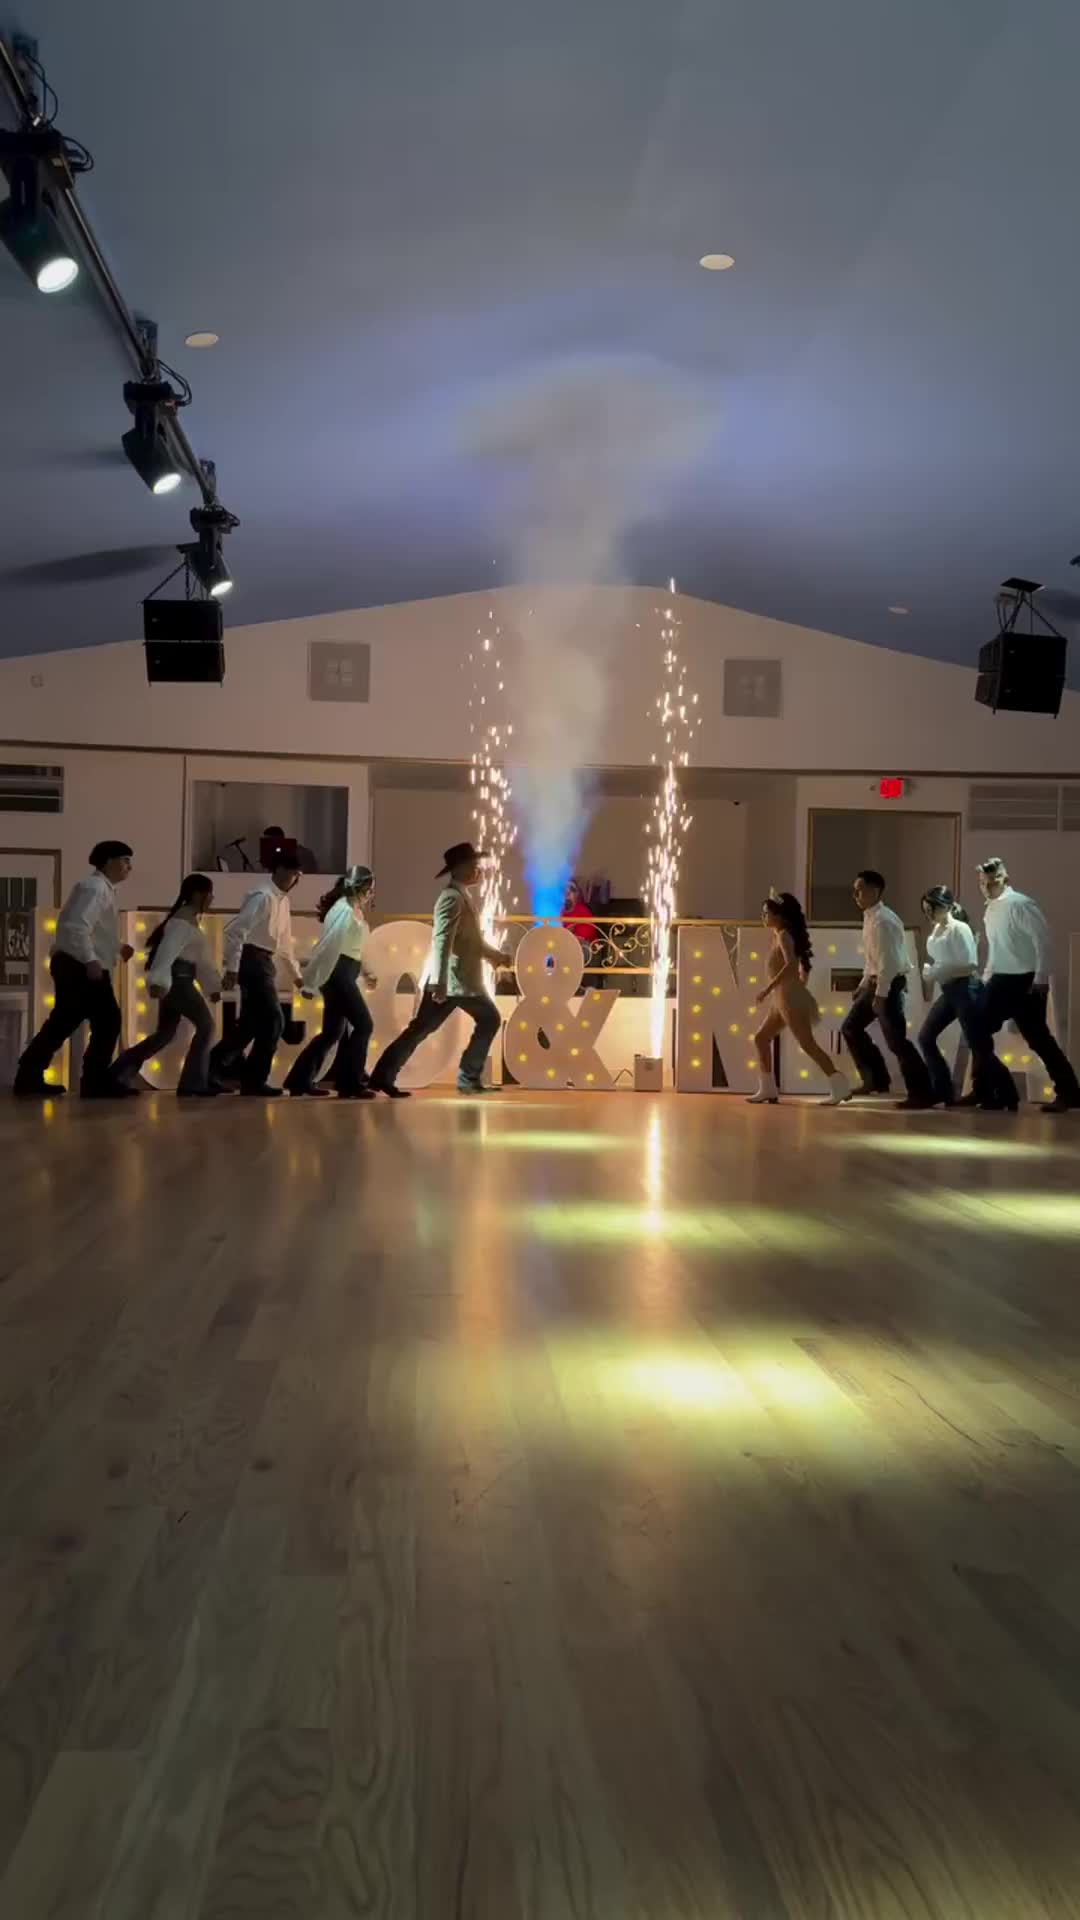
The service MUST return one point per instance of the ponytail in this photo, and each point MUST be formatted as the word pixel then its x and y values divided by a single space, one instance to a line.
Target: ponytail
pixel 190 887
pixel 331 898
pixel 937 897
pixel 355 881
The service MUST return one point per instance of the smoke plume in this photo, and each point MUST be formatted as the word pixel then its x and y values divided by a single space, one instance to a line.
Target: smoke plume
pixel 585 449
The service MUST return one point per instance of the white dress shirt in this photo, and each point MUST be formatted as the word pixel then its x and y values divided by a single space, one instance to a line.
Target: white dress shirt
pixel 951 951
pixel 1017 936
pixel 86 928
pixel 343 933
pixel 885 951
pixel 264 921
pixel 183 940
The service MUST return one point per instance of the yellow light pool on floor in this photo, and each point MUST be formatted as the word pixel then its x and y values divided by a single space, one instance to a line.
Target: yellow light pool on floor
pixel 547 1140
pixel 747 1229
pixel 1049 1216
pixel 933 1146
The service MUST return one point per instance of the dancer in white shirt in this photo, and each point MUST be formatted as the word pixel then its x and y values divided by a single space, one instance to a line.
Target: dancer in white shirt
pixel 336 965
pixel 952 966
pixel 791 1003
pixel 85 951
pixel 881 996
pixel 255 939
pixel 178 964
pixel 1017 976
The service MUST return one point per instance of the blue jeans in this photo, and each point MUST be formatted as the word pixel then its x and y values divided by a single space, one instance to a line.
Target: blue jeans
pixel 963 1000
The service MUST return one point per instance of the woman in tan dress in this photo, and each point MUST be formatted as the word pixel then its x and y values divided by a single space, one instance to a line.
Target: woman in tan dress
pixel 791 1003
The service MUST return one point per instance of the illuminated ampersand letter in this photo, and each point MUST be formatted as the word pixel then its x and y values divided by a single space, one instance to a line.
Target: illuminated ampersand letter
pixel 550 1038
pixel 399 951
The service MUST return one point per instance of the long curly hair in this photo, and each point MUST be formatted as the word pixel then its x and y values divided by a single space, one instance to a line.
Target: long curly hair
pixel 789 912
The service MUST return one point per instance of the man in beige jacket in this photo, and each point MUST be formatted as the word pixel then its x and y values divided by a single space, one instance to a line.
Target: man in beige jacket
pixel 456 979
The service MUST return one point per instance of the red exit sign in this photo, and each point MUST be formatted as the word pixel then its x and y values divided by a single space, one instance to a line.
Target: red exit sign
pixel 891 787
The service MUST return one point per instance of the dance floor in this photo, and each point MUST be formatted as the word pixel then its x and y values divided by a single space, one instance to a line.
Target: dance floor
pixel 550 1506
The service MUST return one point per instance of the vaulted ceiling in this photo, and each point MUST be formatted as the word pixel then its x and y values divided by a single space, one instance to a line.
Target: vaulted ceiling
pixel 406 217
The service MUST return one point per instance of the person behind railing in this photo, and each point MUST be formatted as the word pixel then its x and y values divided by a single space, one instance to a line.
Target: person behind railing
pixel 576 915
pixel 85 951
pixel 178 964
pixel 336 964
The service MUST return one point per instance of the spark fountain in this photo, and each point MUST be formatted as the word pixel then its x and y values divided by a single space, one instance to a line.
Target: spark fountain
pixel 491 787
pixel 676 712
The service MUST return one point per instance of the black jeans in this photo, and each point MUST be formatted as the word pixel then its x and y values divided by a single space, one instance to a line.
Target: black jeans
pixel 427 1019
pixel 963 1000
pixel 182 1002
pixel 888 1010
pixel 343 1006
pixel 259 1027
pixel 1014 996
pixel 78 998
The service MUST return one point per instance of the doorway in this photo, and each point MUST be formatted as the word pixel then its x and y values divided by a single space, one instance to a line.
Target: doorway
pixel 914 851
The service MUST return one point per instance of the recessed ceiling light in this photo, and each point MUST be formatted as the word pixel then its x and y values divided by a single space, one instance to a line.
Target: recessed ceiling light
pixel 899 609
pixel 201 339
pixel 717 262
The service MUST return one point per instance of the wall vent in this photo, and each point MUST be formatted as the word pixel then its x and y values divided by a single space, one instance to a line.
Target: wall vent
pixel 752 689
pixel 1070 809
pixel 31 789
pixel 339 670
pixel 1013 807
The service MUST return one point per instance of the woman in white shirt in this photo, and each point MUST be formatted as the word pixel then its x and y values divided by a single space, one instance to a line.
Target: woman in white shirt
pixel 952 966
pixel 178 963
pixel 336 965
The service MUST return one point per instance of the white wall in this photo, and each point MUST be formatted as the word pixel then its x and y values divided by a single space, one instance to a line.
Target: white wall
pixel 144 798
pixel 845 705
pixel 111 796
pixel 412 826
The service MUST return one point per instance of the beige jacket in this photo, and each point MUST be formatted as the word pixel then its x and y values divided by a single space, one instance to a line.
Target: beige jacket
pixel 458 947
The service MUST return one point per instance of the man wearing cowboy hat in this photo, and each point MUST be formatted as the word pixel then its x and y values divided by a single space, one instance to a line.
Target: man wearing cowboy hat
pixel 455 979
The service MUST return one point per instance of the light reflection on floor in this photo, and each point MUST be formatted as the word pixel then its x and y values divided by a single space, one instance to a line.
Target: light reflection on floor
pixel 933 1146
pixel 603 1222
pixel 1052 1216
pixel 547 1141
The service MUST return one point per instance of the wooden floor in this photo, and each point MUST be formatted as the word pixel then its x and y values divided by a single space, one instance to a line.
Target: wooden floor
pixel 557 1506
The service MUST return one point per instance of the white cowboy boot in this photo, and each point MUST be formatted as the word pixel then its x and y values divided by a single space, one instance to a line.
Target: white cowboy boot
pixel 766 1095
pixel 839 1090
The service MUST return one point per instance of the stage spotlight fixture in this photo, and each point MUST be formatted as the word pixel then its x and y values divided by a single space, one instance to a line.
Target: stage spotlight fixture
pixel 38 164
pixel 204 554
pixel 146 444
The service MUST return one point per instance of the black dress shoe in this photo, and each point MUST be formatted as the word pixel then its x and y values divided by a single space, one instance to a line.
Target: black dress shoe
pixel 198 1093
pixel 863 1092
pixel 969 1100
pixel 356 1093
pixel 1061 1104
pixel 37 1090
pixel 109 1090
pixel 307 1093
pixel 266 1092
pixel 388 1087
pixel 911 1105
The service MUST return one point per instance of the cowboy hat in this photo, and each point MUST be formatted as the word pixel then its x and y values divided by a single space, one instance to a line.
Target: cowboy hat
pixel 460 856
